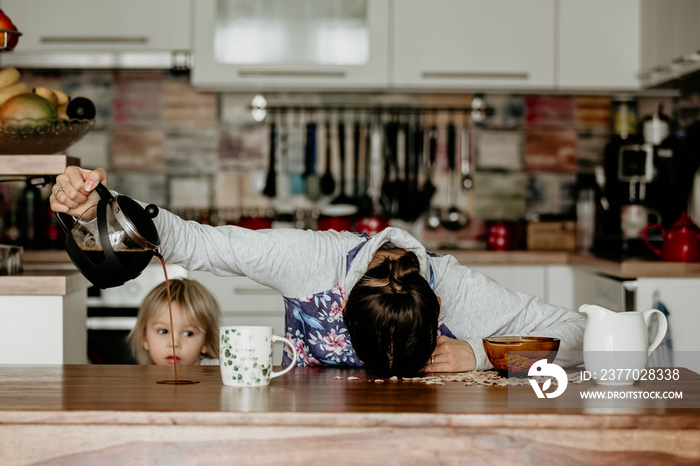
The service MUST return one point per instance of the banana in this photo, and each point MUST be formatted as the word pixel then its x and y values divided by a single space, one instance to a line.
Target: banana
pixel 8 77
pixel 13 90
pixel 62 97
pixel 47 94
pixel 61 112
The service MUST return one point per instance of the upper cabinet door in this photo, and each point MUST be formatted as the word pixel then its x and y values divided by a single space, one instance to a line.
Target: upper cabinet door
pixel 599 44
pixel 670 40
pixel 291 44
pixel 99 33
pixel 473 44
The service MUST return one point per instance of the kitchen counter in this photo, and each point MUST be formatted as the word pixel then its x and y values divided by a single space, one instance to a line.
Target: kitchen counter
pixel 111 414
pixel 44 282
pixel 623 269
pixel 44 313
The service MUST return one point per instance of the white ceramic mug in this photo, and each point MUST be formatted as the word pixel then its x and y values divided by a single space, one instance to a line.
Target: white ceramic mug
pixel 246 356
pixel 633 218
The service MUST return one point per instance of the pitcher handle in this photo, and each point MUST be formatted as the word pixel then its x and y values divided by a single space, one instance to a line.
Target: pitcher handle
pixel 645 235
pixel 661 332
pixel 294 359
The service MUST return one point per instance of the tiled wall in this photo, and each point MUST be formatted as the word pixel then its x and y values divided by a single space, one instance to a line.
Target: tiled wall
pixel 165 143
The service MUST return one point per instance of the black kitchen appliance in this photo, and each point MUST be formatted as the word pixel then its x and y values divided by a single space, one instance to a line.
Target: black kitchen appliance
pixel 642 181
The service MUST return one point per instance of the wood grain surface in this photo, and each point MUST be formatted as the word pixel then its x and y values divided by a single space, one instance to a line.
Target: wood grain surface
pixel 85 414
pixel 58 282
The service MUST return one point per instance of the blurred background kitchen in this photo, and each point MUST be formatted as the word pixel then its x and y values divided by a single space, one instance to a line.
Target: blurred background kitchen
pixel 548 96
pixel 547 125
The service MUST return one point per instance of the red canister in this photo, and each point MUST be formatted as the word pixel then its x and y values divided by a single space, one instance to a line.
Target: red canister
pixel 371 225
pixel 502 235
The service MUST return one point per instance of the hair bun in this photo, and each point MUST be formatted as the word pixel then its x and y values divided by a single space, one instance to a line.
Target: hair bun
pixel 403 268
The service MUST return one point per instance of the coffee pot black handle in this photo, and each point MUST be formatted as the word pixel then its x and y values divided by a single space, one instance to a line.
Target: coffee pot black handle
pixel 66 221
pixel 104 193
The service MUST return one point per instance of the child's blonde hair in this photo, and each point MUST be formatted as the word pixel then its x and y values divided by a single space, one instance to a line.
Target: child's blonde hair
pixel 198 304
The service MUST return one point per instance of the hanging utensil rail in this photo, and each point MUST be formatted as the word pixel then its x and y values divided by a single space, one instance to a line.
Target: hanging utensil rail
pixel 373 109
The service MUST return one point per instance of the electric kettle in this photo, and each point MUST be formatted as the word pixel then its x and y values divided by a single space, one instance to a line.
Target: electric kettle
pixel 681 241
pixel 113 241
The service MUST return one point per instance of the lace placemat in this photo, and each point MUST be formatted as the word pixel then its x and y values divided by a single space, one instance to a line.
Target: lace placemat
pixel 485 378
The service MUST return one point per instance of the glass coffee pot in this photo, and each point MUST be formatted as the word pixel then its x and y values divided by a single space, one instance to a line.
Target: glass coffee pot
pixel 113 241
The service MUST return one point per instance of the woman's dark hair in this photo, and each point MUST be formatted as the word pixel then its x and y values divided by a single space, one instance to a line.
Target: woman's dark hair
pixel 392 317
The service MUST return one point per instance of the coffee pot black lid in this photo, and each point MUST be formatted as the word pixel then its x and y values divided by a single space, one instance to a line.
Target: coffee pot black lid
pixel 139 221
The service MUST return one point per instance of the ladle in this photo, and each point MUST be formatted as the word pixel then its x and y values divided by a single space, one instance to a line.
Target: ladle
pixel 313 181
pixel 452 218
pixel 270 189
pixel 327 181
pixel 342 197
pixel 465 144
pixel 432 221
pixel 361 196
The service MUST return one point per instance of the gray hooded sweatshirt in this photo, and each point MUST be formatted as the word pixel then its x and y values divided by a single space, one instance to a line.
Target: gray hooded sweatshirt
pixel 303 262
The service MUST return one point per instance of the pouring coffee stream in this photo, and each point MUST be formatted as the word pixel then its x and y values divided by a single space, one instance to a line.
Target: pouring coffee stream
pixel 176 381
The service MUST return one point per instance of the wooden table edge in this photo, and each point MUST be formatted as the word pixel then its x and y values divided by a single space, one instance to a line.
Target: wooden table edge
pixel 680 421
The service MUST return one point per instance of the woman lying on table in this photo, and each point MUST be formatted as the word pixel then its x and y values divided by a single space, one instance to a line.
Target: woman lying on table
pixel 383 301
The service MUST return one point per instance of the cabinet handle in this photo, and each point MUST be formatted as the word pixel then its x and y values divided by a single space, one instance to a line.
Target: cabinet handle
pixel 254 291
pixel 290 74
pixel 93 40
pixel 474 75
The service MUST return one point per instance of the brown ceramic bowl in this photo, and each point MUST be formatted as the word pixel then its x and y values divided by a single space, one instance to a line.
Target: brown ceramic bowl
pixel 513 356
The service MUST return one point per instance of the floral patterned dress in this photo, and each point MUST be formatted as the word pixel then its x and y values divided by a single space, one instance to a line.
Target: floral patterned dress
pixel 316 326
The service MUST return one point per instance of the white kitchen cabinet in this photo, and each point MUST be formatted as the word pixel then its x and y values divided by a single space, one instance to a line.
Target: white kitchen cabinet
pixel 598 44
pixel 681 297
pixel 473 44
pixel 670 40
pixel 44 329
pixel 658 31
pixel 290 44
pixel 528 279
pixel 553 283
pixel 686 35
pixel 100 33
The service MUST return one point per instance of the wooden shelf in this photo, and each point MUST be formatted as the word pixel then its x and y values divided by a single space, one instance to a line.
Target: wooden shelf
pixel 49 282
pixel 18 165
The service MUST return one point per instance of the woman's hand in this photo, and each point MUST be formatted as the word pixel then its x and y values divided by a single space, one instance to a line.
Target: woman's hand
pixel 451 355
pixel 73 192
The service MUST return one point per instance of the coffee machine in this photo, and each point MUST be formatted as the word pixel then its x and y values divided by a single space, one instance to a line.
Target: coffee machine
pixel 639 183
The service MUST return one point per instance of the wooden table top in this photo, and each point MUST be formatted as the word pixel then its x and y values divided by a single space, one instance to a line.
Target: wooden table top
pixel 100 394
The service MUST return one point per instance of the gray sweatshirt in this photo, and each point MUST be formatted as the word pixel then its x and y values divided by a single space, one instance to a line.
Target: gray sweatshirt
pixel 304 262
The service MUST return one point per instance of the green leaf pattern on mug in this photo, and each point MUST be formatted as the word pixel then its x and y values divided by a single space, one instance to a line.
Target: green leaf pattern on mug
pixel 243 372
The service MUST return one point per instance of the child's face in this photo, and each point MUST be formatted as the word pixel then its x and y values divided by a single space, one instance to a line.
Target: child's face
pixel 189 340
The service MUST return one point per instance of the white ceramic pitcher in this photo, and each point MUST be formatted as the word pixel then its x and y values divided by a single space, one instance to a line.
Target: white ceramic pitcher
pixel 615 349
